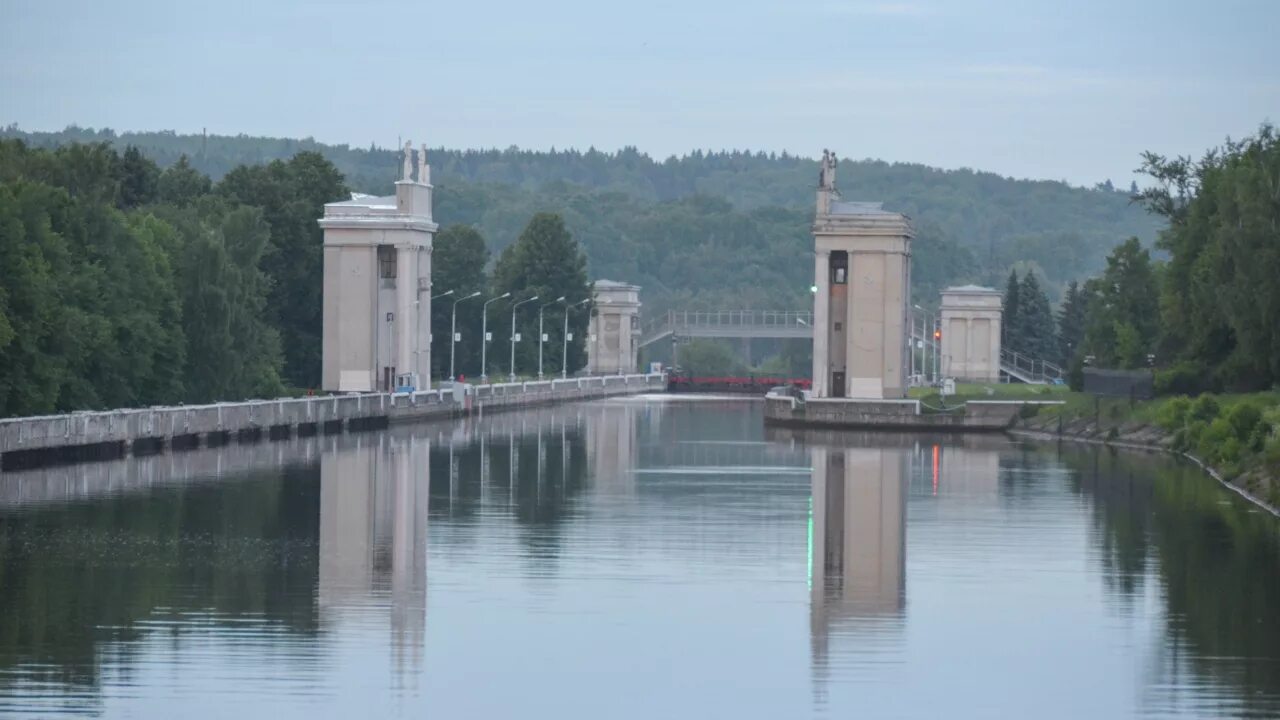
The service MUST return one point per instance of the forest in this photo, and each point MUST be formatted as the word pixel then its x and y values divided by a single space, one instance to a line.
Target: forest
pixel 712 229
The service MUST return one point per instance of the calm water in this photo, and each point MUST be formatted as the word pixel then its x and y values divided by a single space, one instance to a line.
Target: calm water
pixel 636 559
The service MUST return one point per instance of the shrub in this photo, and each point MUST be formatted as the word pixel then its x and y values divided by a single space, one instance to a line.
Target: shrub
pixel 1214 439
pixel 1194 431
pixel 1112 434
pixel 1173 414
pixel 1184 378
pixel 1244 418
pixel 1205 408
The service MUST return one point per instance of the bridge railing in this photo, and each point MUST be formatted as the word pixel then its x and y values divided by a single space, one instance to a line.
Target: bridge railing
pixel 676 319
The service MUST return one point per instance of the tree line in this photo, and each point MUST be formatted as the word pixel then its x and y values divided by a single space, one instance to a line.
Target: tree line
pixel 1207 314
pixel 125 285
pixel 714 230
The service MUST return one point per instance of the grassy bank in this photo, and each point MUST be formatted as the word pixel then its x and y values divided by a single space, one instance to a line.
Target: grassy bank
pixel 1238 436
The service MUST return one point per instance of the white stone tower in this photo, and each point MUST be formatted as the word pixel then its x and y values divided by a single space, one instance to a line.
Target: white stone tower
pixel 611 340
pixel 971 318
pixel 862 275
pixel 377 285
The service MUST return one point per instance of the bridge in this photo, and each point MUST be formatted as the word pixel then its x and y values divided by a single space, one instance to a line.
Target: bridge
pixel 798 324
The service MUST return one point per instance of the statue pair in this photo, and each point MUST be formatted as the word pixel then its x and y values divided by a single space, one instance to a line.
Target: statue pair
pixel 423 177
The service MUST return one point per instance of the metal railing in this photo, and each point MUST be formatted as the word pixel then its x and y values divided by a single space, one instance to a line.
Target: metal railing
pixel 763 321
pixel 1027 368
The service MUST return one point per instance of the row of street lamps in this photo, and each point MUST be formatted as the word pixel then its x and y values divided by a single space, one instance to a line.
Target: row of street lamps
pixel 484 332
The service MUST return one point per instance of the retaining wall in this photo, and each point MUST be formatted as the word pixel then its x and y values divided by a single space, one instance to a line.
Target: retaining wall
pixel 115 432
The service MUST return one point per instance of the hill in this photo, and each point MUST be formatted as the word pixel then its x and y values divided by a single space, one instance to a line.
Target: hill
pixel 724 229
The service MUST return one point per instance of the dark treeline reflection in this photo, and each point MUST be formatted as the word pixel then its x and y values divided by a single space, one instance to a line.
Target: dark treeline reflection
pixel 1217 559
pixel 81 573
pixel 290 537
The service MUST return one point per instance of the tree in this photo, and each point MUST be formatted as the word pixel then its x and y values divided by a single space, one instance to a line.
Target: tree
pixel 1071 319
pixel 1122 314
pixel 458 261
pixel 1219 300
pixel 1011 320
pixel 139 178
pixel 292 195
pixel 181 184
pixel 708 358
pixel 547 262
pixel 1037 333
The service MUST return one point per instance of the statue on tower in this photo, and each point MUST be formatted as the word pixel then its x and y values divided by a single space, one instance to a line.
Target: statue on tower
pixel 827 175
pixel 424 176
pixel 408 161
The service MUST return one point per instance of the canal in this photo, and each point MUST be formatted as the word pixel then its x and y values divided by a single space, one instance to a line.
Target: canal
pixel 636 558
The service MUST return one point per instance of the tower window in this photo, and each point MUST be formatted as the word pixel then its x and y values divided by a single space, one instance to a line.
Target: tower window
pixel 386 261
pixel 839 267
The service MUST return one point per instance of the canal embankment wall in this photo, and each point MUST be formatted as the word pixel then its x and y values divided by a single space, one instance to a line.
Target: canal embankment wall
pixel 1134 436
pixel 114 433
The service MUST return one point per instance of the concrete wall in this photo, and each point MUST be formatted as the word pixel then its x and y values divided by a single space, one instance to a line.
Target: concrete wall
pixel 975 416
pixel 161 425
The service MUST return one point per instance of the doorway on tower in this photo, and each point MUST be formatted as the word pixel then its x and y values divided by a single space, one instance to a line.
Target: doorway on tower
pixel 837 383
pixel 388 379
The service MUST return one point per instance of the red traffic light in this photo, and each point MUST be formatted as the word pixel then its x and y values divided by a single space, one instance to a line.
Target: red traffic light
pixel 937 334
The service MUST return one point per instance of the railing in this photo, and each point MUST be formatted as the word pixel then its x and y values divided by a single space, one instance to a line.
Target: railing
pixel 741 320
pixel 1028 368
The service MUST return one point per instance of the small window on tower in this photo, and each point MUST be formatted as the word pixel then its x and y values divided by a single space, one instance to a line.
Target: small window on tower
pixel 839 267
pixel 386 261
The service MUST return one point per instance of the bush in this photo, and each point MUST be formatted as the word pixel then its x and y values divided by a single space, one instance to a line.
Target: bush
pixel 1173 414
pixel 1244 418
pixel 1213 440
pixel 1205 409
pixel 1194 431
pixel 1184 378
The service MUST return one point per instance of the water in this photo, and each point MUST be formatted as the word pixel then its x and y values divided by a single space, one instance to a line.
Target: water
pixel 636 559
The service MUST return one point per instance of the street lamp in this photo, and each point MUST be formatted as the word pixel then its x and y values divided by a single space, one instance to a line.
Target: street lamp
pixel 513 334
pixel 453 329
pixel 564 352
pixel 484 334
pixel 541 335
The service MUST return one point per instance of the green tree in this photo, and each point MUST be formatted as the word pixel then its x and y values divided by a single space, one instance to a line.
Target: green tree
pixel 182 184
pixel 292 195
pixel 1071 319
pixel 545 261
pixel 139 178
pixel 1011 320
pixel 1219 299
pixel 1122 319
pixel 458 260
pixel 1036 330
pixel 708 358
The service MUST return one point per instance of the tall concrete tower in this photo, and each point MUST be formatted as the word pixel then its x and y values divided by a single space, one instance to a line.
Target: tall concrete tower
pixel 862 275
pixel 377 285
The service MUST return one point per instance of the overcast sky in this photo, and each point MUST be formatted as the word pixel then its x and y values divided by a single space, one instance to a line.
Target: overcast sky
pixel 1057 89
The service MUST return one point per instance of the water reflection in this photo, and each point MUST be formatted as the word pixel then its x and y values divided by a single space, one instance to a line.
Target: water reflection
pixel 661 558
pixel 373 536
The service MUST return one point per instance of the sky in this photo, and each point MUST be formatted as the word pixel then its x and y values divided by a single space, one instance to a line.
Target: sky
pixel 1067 90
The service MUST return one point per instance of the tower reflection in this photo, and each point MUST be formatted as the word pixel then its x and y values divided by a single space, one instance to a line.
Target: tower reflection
pixel 373 536
pixel 858 540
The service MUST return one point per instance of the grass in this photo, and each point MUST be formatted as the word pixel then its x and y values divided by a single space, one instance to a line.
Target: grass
pixel 992 391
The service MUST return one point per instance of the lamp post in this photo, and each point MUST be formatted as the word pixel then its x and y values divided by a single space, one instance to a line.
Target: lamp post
pixel 453 329
pixel 541 335
pixel 564 352
pixel 434 298
pixel 484 335
pixel 513 334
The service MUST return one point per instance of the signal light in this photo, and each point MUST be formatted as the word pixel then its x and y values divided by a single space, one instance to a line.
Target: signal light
pixel 937 334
